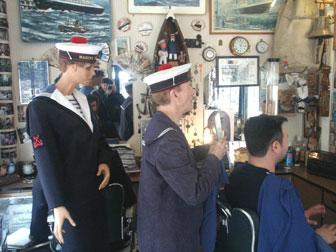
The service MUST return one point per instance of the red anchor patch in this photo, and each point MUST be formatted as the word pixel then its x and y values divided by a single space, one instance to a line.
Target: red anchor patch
pixel 37 142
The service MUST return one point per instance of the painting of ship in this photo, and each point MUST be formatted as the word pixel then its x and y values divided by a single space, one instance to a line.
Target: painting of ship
pixel 254 6
pixel 71 5
pixel 169 27
pixel 75 27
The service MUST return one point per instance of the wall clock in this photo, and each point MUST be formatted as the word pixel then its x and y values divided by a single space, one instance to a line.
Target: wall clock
pixel 209 54
pixel 239 45
pixel 262 46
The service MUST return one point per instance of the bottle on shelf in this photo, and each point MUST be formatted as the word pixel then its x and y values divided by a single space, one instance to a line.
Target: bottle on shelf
pixel 297 145
pixel 289 157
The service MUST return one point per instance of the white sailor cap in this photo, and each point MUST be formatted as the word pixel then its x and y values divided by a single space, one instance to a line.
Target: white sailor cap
pixel 78 50
pixel 168 78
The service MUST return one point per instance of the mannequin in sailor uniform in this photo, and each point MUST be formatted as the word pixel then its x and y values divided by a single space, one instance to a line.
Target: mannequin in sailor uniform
pixel 70 153
pixel 172 190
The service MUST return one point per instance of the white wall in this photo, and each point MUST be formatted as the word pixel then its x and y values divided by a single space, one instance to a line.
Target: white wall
pixel 25 51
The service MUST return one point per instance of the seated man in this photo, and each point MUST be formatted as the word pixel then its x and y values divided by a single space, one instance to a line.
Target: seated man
pixel 283 222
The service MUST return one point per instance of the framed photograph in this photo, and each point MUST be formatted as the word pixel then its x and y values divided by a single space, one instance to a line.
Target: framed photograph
pixel 6 95
pixel 8 138
pixel 237 71
pixel 4 34
pixel 8 153
pixel 33 78
pixel 22 113
pixel 5 79
pixel 4 49
pixel 5 65
pixel 51 21
pixel 231 16
pixel 6 109
pixel 121 45
pixel 6 123
pixel 3 8
pixel 177 6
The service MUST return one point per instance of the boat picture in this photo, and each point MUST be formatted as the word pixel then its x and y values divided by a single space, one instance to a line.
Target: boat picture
pixel 71 5
pixel 74 26
pixel 254 6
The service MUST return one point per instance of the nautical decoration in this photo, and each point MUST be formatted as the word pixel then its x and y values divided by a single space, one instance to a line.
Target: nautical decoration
pixel 170 47
pixel 140 47
pixel 134 62
pixel 124 24
pixel 197 24
pixel 105 53
pixel 145 29
pixel 209 54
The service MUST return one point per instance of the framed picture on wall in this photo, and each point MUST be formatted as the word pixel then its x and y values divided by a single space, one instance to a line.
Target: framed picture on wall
pixel 33 78
pixel 231 16
pixel 237 71
pixel 177 6
pixel 52 21
pixel 121 45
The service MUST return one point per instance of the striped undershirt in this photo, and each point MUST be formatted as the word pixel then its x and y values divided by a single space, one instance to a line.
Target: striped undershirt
pixel 74 102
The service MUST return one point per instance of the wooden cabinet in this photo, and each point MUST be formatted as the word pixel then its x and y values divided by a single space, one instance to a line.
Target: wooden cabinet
pixel 309 193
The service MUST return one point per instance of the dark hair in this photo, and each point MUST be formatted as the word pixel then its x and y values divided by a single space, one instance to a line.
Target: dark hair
pixel 107 81
pixel 261 131
pixel 129 88
pixel 92 98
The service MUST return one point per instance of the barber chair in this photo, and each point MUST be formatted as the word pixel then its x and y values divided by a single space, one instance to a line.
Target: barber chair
pixel 120 231
pixel 238 229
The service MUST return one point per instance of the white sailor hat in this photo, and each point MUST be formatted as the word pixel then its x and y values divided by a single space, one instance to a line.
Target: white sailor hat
pixel 168 78
pixel 78 50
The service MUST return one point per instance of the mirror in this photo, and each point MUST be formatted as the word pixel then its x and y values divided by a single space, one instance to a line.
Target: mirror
pixel 244 102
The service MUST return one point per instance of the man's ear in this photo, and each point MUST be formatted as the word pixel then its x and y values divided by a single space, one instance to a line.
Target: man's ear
pixel 275 146
pixel 173 93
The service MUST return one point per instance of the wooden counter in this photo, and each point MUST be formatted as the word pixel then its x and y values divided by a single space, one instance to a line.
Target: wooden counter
pixel 301 172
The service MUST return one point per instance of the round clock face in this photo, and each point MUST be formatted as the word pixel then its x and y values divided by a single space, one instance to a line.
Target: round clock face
pixel 262 46
pixel 209 54
pixel 239 45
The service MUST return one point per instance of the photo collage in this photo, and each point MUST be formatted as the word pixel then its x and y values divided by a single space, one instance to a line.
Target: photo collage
pixel 8 132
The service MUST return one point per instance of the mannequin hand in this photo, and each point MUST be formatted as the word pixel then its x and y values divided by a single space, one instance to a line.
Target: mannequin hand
pixel 104 170
pixel 61 214
pixel 313 211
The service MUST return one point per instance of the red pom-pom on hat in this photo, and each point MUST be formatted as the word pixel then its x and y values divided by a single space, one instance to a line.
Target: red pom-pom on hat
pixel 78 40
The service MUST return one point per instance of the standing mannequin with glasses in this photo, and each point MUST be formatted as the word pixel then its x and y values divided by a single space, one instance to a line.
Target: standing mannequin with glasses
pixel 70 153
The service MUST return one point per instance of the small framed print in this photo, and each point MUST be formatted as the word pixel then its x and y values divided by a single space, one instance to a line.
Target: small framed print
pixel 3 34
pixel 232 71
pixel 22 113
pixel 8 138
pixel 5 65
pixel 6 109
pixel 4 49
pixel 121 45
pixel 5 79
pixel 6 95
pixel 6 123
pixel 3 8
